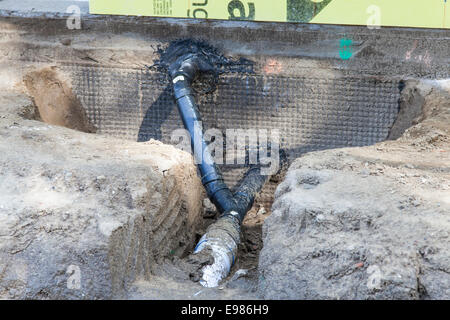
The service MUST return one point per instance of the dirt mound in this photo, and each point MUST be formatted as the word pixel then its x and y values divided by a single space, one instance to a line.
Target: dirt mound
pixel 367 223
pixel 82 216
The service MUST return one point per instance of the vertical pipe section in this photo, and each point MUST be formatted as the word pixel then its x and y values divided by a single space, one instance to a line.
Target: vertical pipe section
pixel 211 177
pixel 223 236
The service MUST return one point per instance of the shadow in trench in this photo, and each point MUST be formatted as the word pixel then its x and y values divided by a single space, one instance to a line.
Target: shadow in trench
pixel 156 115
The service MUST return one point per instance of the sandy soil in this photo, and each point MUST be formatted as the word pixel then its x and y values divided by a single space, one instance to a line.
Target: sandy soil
pixel 371 222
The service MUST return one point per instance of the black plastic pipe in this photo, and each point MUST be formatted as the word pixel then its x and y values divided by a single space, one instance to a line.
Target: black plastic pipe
pixel 183 71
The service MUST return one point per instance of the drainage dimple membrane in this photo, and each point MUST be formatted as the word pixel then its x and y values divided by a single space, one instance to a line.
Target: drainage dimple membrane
pixel 310 113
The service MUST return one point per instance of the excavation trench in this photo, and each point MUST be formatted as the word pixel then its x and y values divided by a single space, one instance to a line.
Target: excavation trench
pixel 307 113
pixel 292 80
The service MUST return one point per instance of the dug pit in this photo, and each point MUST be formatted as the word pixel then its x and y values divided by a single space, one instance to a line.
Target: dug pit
pixel 57 103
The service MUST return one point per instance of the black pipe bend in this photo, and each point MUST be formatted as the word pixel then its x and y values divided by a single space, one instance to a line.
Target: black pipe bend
pixel 183 72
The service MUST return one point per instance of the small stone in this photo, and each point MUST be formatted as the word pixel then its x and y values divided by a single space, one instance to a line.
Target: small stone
pixel 66 42
pixel 320 217
pixel 261 211
pixel 415 203
pixel 240 273
pixel 365 173
pixel 209 209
